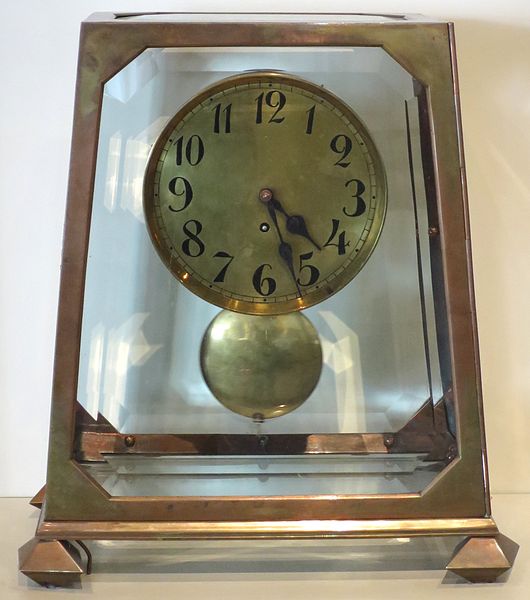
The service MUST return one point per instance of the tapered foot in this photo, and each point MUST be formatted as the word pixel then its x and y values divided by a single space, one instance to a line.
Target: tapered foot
pixel 50 562
pixel 38 499
pixel 483 559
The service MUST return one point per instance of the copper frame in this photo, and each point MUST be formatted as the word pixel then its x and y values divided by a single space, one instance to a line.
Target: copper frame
pixel 457 501
pixel 425 433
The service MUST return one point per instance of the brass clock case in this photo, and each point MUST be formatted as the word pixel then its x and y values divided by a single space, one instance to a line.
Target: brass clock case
pixel 251 132
pixel 448 430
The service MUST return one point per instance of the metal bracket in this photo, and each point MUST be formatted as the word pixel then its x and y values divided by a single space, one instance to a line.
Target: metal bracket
pixel 426 433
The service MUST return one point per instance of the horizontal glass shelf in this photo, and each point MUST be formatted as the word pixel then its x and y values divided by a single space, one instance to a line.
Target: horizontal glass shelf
pixel 262 475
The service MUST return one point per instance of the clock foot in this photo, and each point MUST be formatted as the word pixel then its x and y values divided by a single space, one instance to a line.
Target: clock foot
pixel 50 562
pixel 38 499
pixel 483 559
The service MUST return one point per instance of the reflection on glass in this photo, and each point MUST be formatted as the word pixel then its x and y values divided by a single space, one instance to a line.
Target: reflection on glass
pixel 262 475
pixel 142 330
pixel 256 557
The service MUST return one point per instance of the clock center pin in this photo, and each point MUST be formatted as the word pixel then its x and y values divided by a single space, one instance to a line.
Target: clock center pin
pixel 265 195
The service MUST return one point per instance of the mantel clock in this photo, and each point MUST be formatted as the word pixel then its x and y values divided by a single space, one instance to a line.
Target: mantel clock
pixel 266 324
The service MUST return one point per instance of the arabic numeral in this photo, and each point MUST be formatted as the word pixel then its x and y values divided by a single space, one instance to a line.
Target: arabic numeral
pixel 312 272
pixel 272 99
pixel 223 114
pixel 193 150
pixel 264 286
pixel 341 144
pixel 193 246
pixel 180 186
pixel 341 243
pixel 360 206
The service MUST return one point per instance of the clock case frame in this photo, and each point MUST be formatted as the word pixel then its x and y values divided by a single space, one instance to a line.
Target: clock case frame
pixel 75 507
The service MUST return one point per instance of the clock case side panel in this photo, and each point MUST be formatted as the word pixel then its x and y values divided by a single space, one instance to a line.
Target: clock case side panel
pixel 426 51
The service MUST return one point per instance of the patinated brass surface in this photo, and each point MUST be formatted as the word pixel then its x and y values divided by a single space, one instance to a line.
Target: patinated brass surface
pixel 261 366
pixel 426 50
pixel 93 446
pixel 256 131
pixel 296 528
pixel 50 562
pixel 483 559
pixel 425 433
pixel 77 507
pixel 38 499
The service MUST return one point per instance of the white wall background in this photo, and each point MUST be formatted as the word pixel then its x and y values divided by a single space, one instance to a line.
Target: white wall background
pixel 38 53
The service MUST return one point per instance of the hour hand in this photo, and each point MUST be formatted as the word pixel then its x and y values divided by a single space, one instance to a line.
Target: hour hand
pixel 296 225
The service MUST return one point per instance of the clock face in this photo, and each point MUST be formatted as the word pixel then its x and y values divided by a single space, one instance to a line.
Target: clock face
pixel 264 194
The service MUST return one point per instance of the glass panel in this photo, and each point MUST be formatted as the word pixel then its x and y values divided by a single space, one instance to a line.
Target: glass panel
pixel 265 558
pixel 261 475
pixel 142 330
pixel 264 17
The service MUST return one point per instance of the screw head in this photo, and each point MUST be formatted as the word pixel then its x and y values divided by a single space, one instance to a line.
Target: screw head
pixel 388 440
pixel 451 452
pixel 129 441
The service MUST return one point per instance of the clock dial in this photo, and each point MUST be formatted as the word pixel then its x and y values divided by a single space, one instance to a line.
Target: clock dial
pixel 264 194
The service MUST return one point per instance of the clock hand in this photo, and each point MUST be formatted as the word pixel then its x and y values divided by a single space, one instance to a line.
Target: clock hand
pixel 285 250
pixel 295 223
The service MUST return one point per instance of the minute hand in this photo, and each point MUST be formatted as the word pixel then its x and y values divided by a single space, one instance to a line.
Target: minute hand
pixel 284 249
